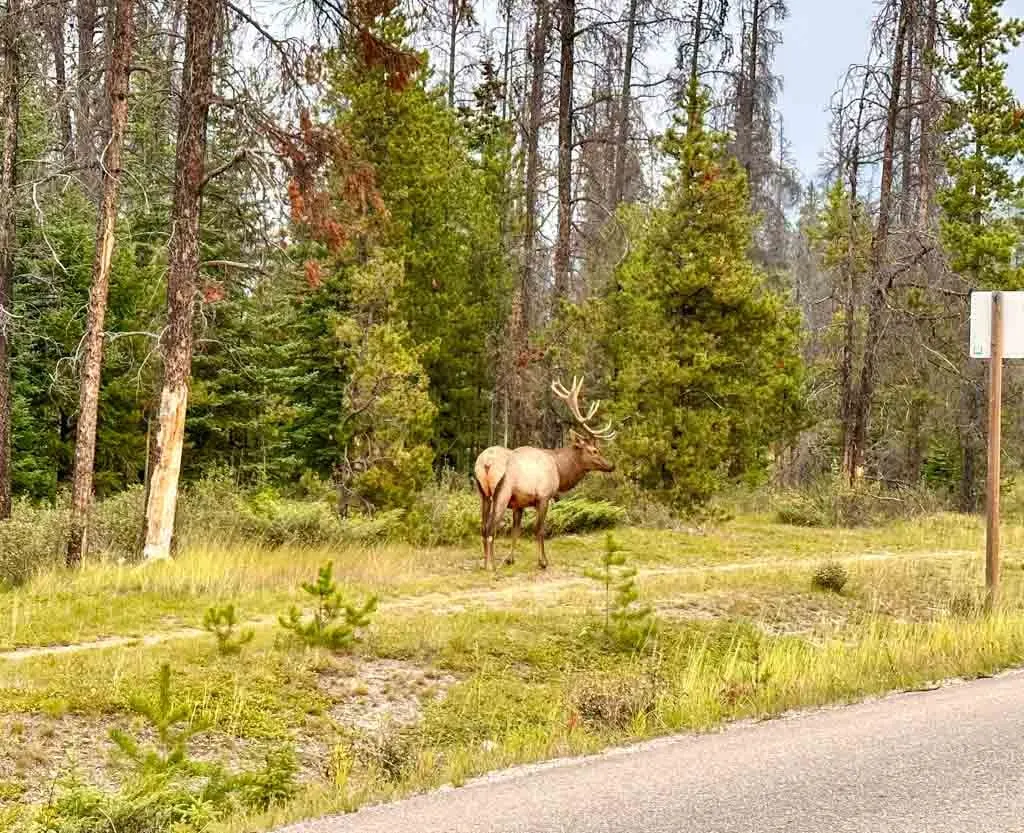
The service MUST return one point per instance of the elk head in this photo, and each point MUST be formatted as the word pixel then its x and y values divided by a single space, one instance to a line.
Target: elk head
pixel 585 441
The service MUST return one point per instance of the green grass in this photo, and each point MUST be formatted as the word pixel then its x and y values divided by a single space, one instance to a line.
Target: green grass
pixel 501 669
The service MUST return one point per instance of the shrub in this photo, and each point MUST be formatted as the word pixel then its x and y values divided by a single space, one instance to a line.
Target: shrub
pixel 335 622
pixel 31 540
pixel 831 503
pixel 831 577
pixel 116 524
pixel 574 515
pixel 612 702
pixel 221 621
pixel 965 604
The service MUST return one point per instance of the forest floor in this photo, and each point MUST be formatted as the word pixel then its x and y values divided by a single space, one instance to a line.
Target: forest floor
pixel 462 672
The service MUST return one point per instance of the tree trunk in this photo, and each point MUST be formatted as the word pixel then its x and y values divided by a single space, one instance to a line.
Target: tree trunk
pixel 535 118
pixel 880 282
pixel 10 82
pixel 563 243
pixel 452 36
pixel 847 394
pixel 625 106
pixel 929 109
pixel 182 274
pixel 692 104
pixel 907 123
pixel 118 71
pixel 60 73
pixel 86 19
pixel 748 94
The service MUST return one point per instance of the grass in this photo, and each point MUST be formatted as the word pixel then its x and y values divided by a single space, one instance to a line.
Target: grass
pixel 463 672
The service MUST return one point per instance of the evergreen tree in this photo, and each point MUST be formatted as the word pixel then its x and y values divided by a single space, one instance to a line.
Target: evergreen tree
pixel 706 360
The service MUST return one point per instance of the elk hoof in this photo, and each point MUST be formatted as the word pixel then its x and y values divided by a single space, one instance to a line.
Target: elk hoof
pixel 509 561
pixel 543 565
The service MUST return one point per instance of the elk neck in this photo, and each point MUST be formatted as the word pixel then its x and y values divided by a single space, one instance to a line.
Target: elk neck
pixel 570 468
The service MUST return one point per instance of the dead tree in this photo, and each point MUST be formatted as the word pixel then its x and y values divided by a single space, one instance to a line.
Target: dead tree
pixel 182 275
pixel 10 93
pixel 118 72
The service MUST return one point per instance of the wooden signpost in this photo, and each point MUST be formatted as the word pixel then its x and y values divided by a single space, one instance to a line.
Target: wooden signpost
pixel 997 333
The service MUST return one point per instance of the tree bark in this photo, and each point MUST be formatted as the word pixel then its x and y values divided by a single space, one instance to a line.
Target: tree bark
pixel 57 21
pixel 10 82
pixel 929 111
pixel 86 19
pixel 563 243
pixel 625 107
pixel 881 282
pixel 907 122
pixel 452 37
pixel 692 104
pixel 118 72
pixel 748 94
pixel 535 120
pixel 183 269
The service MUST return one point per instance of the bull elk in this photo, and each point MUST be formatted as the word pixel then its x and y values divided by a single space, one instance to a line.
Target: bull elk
pixel 533 477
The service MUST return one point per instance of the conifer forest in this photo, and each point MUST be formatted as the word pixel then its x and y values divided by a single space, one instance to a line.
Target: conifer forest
pixel 343 246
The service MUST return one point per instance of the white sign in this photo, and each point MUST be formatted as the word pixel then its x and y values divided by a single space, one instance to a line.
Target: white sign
pixel 1013 325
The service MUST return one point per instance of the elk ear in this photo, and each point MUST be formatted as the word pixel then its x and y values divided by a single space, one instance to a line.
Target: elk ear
pixel 578 440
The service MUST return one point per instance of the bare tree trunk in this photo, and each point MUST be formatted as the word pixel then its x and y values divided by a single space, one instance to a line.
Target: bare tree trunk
pixel 118 72
pixel 880 282
pixel 10 82
pixel 847 393
pixel 692 82
pixel 56 22
pixel 907 123
pixel 535 118
pixel 564 241
pixel 452 36
pixel 625 107
pixel 87 20
pixel 748 94
pixel 183 269
pixel 929 110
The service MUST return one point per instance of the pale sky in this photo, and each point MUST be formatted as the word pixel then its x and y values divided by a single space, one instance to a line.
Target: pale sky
pixel 821 39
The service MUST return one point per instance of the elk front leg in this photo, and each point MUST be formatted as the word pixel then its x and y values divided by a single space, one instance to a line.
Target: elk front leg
pixel 542 511
pixel 517 525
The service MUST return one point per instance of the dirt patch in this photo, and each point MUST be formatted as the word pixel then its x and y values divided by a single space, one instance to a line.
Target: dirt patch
pixel 372 696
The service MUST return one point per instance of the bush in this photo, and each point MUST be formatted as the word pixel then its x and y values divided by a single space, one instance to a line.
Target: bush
pixel 831 577
pixel 31 540
pixel 574 515
pixel 612 702
pixel 834 503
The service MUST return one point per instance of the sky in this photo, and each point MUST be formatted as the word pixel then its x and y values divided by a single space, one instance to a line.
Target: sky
pixel 821 39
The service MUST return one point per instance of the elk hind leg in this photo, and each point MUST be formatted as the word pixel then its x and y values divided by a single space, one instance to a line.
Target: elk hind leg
pixel 499 503
pixel 542 511
pixel 485 511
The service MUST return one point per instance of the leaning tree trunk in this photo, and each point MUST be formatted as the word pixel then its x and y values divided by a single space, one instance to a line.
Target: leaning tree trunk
pixel 182 274
pixel 118 72
pixel 564 240
pixel 9 109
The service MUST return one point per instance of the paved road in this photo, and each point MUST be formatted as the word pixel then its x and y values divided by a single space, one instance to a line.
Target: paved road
pixel 945 761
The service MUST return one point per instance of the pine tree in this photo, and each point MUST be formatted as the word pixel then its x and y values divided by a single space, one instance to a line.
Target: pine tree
pixel 705 359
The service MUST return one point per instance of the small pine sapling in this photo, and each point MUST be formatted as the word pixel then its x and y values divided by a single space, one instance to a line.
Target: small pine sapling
pixel 626 623
pixel 335 622
pixel 221 622
pixel 173 726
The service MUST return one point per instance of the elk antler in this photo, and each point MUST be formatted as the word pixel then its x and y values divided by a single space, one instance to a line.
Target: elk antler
pixel 571 398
